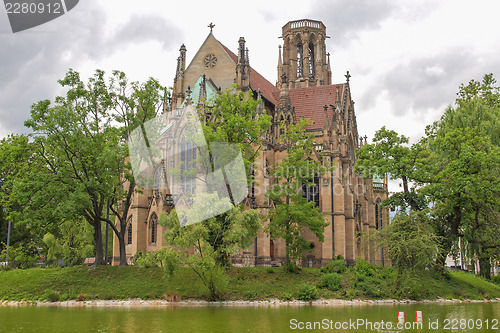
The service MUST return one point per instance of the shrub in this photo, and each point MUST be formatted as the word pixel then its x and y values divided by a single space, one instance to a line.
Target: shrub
pixel 291 267
pixel 331 281
pixel 363 269
pixel 495 279
pixel 286 296
pixel 51 295
pixel 307 293
pixel 335 266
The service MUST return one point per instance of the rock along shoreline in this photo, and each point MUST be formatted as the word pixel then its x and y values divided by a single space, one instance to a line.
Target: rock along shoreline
pixel 139 303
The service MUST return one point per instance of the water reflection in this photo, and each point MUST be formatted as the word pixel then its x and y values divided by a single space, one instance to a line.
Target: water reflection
pixel 243 319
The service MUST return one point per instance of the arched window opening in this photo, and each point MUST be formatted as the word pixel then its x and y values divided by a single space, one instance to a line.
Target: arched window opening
pixel 378 215
pixel 311 60
pixel 267 168
pixel 188 166
pixel 252 189
pixel 154 227
pixel 311 193
pixel 159 179
pixel 129 231
pixel 300 60
pixel 282 124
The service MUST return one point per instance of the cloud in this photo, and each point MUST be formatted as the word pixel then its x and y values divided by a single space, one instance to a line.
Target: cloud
pixel 426 83
pixel 345 19
pixel 33 60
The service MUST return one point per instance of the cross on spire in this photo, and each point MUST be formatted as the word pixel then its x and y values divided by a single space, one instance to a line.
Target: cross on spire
pixel 347 76
pixel 211 26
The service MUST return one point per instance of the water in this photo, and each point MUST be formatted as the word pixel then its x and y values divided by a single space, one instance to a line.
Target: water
pixel 476 317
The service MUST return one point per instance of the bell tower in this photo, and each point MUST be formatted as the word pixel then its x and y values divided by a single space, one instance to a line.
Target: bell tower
pixel 304 60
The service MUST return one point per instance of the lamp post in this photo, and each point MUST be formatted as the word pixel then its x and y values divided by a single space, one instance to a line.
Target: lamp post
pixel 8 238
pixel 107 231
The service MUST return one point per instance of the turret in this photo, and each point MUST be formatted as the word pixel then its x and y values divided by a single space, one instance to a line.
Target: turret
pixel 304 54
pixel 243 66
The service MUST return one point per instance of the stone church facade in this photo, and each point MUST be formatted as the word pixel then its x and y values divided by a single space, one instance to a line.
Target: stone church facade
pixel 351 203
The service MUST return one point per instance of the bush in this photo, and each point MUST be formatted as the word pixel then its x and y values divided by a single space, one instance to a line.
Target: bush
pixel 495 279
pixel 331 281
pixel 51 295
pixel 307 293
pixel 286 296
pixel 291 267
pixel 335 266
pixel 363 270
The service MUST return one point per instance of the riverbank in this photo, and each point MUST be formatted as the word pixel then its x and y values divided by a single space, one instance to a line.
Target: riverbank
pixel 139 303
pixel 261 285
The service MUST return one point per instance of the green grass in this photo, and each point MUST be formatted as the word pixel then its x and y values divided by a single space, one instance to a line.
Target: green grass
pixel 259 283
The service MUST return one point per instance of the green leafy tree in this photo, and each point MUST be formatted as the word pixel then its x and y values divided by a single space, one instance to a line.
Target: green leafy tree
pixel 465 172
pixel 390 153
pixel 234 118
pixel 73 242
pixel 410 244
pixel 212 240
pixel 133 105
pixel 16 159
pixel 238 119
pixel 81 139
pixel 291 212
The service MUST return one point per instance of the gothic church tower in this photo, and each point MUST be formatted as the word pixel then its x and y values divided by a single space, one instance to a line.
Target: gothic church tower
pixel 304 61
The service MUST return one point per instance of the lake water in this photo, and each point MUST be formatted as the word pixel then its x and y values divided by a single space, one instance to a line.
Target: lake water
pixel 437 317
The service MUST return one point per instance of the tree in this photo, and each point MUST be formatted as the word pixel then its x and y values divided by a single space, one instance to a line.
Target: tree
pixel 213 240
pixel 466 190
pixel 391 154
pixel 73 242
pixel 18 162
pixel 292 212
pixel 233 117
pixel 465 171
pixel 85 150
pixel 410 244
pixel 134 104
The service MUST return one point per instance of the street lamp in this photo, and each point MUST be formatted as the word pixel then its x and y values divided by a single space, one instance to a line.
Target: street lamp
pixel 8 237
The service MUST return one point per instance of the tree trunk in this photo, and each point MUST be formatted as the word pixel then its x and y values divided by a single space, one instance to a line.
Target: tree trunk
pixel 99 253
pixel 121 244
pixel 485 267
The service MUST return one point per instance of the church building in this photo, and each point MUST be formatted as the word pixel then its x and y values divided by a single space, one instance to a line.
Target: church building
pixel 351 204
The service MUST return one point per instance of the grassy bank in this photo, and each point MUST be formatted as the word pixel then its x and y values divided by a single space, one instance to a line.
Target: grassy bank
pixel 260 283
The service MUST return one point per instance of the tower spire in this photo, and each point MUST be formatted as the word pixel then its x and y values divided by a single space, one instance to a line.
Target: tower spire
pixel 280 67
pixel 243 65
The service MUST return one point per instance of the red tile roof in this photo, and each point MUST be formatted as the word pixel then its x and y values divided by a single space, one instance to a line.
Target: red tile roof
pixel 257 81
pixel 309 102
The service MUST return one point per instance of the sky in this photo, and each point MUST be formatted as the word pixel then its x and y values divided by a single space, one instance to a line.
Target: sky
pixel 407 59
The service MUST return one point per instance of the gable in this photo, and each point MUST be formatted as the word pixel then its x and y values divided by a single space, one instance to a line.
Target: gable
pixel 222 74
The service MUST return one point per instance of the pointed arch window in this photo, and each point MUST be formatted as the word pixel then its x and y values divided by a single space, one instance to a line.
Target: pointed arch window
pixel 311 60
pixel 300 60
pixel 311 193
pixel 129 230
pixel 252 189
pixel 188 166
pixel 378 214
pixel 281 124
pixel 153 224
